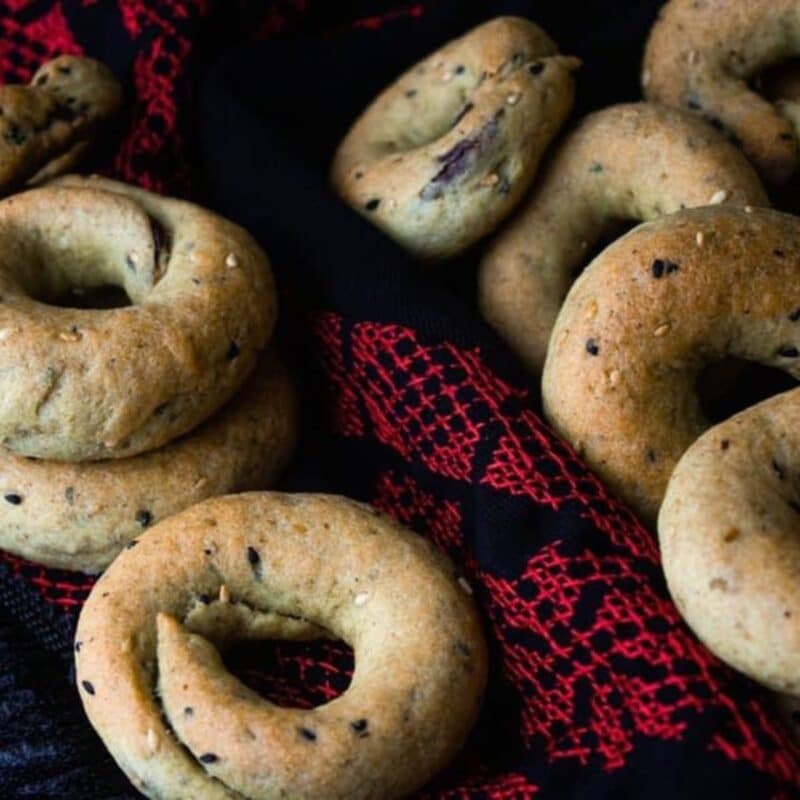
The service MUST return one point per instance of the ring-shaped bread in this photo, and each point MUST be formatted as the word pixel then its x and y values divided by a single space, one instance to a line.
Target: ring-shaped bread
pixel 728 530
pixel 80 516
pixel 445 152
pixel 84 384
pixel 180 725
pixel 47 126
pixel 636 161
pixel 647 316
pixel 701 55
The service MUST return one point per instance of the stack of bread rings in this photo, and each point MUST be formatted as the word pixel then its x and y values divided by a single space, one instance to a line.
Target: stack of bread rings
pixel 711 274
pixel 121 424
pixel 111 419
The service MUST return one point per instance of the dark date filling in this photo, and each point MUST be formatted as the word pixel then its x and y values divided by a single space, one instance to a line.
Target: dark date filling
pixel 461 158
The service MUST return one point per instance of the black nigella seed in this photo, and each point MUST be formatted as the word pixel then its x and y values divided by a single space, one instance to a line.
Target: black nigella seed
pixel 536 68
pixel 778 253
pixel 795 315
pixel 205 599
pixel 794 506
pixel 88 687
pixel 663 266
pixel 787 137
pixel 188 711
pixel 159 410
pixel 409 93
pixel 209 758
pixel 693 105
pixel 657 268
pixel 131 544
pixel 233 351
pixel 360 727
pixel 64 70
pixel 307 734
pixel 144 517
pixel 373 204
pixel 592 347
pixel 78 646
pixel 788 351
pixel 724 444
pixel 651 455
pixel 460 69
pixel 779 470
pixel 255 562
pixel 14 499
pixel 596 167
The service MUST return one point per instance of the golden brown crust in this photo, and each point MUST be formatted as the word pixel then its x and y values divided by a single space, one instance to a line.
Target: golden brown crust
pixel 80 516
pixel 647 315
pixel 729 545
pixel 420 660
pixel 700 56
pixel 72 380
pixel 445 152
pixel 635 161
pixel 47 126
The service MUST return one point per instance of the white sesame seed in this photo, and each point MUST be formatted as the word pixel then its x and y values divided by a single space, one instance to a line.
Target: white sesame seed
pixel 69 336
pixel 645 77
pixel 591 309
pixel 613 377
pixel 464 584
pixel 662 330
pixel 152 740
pixel 718 197
pixel 5 333
pixel 224 594
pixel 748 209
pixel 700 238
pixel 691 57
pixel 133 257
pixel 513 98
pixel 361 598
pixel 492 179
pixel 447 77
pixel 231 260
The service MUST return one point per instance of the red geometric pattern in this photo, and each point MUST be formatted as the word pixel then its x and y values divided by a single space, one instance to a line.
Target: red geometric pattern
pixel 65 590
pixel 563 662
pixel 589 639
pixel 24 47
pixel 433 403
pixel 153 152
pixel 439 520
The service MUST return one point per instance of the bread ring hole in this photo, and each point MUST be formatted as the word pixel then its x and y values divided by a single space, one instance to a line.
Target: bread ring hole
pixel 730 385
pixel 94 297
pixel 292 674
pixel 778 81
pixel 82 248
pixel 285 659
